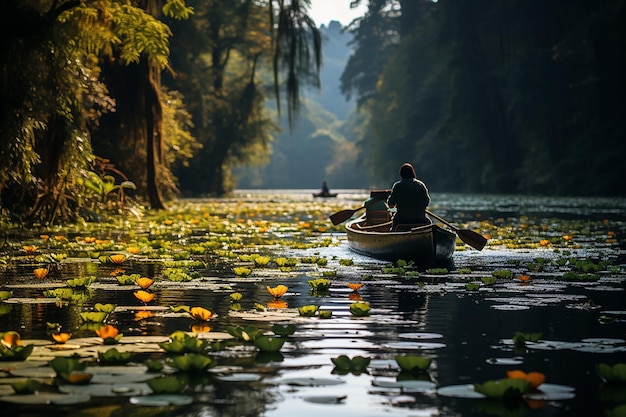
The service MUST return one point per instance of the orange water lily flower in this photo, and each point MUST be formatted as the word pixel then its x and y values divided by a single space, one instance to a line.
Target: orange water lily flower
pixel 79 378
pixel 117 258
pixel 133 250
pixel 107 332
pixel 354 286
pixel 11 339
pixel 61 338
pixel 524 278
pixel 535 378
pixel 200 327
pixel 277 303
pixel 200 313
pixel 544 242
pixel 355 296
pixel 44 237
pixel 41 273
pixel 144 296
pixel 30 249
pixel 90 239
pixel 143 314
pixel 277 291
pixel 144 282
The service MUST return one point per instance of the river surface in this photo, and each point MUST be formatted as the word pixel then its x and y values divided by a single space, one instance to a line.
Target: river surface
pixel 467 331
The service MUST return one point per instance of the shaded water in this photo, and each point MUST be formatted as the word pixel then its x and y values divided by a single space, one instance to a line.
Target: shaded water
pixel 466 333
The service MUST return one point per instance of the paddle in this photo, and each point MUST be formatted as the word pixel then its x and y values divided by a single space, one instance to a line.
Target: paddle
pixel 474 239
pixel 343 215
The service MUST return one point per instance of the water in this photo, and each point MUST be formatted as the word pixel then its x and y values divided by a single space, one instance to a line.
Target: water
pixel 468 334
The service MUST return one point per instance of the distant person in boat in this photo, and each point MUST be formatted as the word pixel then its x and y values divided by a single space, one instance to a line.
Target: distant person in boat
pixel 410 198
pixel 325 189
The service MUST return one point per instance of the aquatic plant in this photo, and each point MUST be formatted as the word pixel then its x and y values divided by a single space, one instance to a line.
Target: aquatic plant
pixel 277 291
pixel 166 385
pixel 308 310
pixel 190 362
pixel 93 316
pixel 267 343
pixel 117 259
pixel 5 295
pixel 413 363
pixel 488 280
pixel 81 282
pixel 502 273
pixel 144 296
pixel 534 378
pixel 25 386
pixel 277 303
pixel 11 347
pixel 360 309
pixel 262 260
pixel 356 364
pixel 283 330
pixel 244 334
pixel 242 271
pixel 200 313
pixel 144 282
pixel 472 286
pixel 503 388
pixel 113 357
pixel 71 370
pixel 41 273
pixel 520 339
pixel 110 334
pixel 437 271
pixel 346 262
pixel 125 279
pixel 612 373
pixel 324 314
pixel 354 286
pixel 105 308
pixel 320 284
pixel 60 337
pixel 236 296
pixel 181 343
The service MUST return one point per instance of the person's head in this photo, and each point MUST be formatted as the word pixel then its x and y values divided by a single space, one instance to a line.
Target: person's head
pixel 407 171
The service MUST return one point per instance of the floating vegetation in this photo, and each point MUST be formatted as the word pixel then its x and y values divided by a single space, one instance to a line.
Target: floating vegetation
pixel 413 363
pixel 360 309
pixel 612 373
pixel 11 347
pixel 110 334
pixel 356 365
pixel 308 310
pixel 242 271
pixel 319 285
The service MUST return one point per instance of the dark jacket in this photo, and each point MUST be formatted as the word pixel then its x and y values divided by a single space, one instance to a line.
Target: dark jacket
pixel 411 198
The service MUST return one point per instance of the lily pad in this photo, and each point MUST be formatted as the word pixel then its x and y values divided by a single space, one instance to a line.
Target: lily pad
pixel 311 382
pixel 325 399
pixel 161 400
pixel 460 391
pixel 46 398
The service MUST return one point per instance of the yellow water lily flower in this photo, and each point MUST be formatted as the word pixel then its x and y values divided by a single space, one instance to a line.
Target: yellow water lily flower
pixel 277 291
pixel 133 250
pixel 61 338
pixel 90 239
pixel 200 313
pixel 144 282
pixel 41 273
pixel 144 296
pixel 117 258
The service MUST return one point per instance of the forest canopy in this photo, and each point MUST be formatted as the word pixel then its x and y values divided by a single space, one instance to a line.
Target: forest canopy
pixel 156 99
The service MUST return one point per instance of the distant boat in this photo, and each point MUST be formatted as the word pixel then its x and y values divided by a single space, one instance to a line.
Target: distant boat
pixel 324 195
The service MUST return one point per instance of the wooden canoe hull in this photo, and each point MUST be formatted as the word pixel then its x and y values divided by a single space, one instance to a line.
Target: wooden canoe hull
pixel 427 245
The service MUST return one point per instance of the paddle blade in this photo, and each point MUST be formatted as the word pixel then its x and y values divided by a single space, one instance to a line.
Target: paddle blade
pixel 343 215
pixel 475 240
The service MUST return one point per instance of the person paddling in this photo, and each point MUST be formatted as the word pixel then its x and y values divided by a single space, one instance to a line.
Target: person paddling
pixel 410 197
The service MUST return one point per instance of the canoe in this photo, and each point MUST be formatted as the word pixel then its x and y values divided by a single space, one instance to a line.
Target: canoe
pixel 427 245
pixel 325 195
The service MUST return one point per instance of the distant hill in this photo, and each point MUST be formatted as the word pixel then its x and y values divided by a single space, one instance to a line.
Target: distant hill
pixel 321 145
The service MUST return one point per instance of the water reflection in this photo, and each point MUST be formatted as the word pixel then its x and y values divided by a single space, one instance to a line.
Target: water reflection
pixel 466 333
